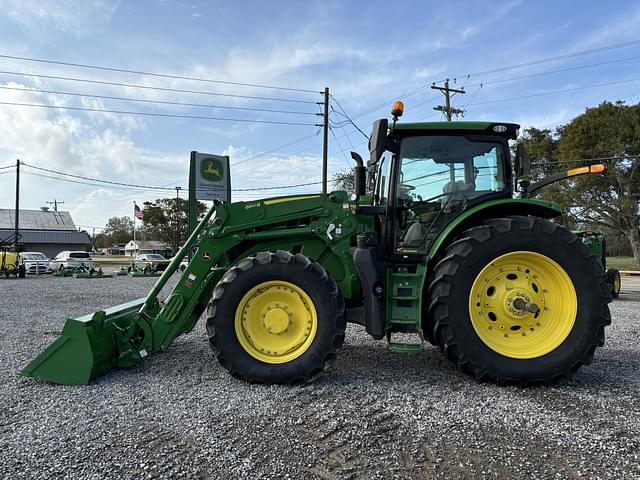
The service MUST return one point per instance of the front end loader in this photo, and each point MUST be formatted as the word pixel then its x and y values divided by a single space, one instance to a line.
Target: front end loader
pixel 436 244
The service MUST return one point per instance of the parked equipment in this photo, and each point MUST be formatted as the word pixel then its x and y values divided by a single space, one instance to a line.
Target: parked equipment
pixel 433 244
pixel 597 242
pixel 11 264
pixel 10 261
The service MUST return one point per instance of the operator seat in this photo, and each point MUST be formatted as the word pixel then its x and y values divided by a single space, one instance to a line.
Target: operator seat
pixel 448 203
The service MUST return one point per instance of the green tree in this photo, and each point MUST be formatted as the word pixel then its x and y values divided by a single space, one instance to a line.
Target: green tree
pixel 611 202
pixel 343 180
pixel 117 230
pixel 167 219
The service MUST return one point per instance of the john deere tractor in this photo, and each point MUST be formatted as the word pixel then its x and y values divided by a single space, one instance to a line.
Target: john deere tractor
pixel 433 245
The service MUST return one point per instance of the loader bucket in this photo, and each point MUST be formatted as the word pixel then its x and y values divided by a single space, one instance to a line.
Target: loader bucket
pixel 86 348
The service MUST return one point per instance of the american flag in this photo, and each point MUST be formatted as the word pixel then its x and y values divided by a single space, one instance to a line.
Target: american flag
pixel 138 212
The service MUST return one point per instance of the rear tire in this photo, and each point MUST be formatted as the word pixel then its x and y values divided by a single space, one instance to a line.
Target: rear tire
pixel 276 318
pixel 492 265
pixel 615 281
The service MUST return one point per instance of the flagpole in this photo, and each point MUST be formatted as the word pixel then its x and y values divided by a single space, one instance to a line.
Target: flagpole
pixel 134 229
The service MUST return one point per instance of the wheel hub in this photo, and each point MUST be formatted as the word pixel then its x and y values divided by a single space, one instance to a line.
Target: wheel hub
pixel 276 320
pixel 522 305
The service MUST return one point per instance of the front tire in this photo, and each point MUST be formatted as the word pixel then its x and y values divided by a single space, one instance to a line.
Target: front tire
pixel 276 318
pixel 519 300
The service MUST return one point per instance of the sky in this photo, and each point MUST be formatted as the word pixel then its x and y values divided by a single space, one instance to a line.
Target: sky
pixel 368 53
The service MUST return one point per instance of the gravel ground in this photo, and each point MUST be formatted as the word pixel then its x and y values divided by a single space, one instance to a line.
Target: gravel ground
pixel 376 415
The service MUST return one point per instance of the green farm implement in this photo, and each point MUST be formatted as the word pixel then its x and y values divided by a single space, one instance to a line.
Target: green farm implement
pixel 91 273
pixel 596 241
pixel 79 271
pixel 434 244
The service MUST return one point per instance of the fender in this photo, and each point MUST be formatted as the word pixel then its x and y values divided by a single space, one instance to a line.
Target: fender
pixel 493 209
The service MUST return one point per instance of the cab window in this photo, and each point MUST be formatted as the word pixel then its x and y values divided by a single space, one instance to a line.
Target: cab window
pixel 438 176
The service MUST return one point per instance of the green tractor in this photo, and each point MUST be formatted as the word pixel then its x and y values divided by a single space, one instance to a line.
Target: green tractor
pixel 433 245
pixel 597 242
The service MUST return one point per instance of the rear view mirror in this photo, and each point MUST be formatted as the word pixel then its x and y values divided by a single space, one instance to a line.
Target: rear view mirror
pixel 522 163
pixel 378 140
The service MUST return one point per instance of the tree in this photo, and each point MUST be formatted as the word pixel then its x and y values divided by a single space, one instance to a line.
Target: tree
pixel 343 180
pixel 610 131
pixel 117 230
pixel 167 219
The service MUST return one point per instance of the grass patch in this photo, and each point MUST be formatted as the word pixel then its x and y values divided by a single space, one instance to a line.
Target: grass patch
pixel 621 263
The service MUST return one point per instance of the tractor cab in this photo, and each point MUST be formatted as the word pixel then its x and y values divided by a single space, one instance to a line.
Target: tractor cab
pixel 426 174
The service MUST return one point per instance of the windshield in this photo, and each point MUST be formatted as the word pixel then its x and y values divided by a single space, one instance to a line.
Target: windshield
pixel 439 174
pixel 79 255
pixel 438 166
pixel 33 256
pixel 154 256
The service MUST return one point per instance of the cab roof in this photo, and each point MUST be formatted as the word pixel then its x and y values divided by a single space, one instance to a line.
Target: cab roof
pixel 509 130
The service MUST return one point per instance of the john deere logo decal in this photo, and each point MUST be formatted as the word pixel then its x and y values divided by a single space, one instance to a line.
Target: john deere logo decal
pixel 211 169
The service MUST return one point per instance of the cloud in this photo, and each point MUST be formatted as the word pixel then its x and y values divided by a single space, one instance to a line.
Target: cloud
pixel 617 29
pixel 70 17
pixel 74 143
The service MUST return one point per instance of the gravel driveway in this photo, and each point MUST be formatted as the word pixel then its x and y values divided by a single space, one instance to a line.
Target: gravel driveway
pixel 376 415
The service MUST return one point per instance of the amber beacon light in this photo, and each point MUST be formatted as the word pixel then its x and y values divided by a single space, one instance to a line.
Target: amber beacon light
pixel 397 109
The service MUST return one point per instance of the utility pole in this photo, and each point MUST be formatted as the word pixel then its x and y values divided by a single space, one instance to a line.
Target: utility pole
pixel 55 204
pixel 17 223
pixel 447 109
pixel 325 143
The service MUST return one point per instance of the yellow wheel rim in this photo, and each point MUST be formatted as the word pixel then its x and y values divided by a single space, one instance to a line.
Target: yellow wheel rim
pixel 276 322
pixel 616 284
pixel 523 305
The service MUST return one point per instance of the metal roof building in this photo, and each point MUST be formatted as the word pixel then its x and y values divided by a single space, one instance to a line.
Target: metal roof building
pixel 44 231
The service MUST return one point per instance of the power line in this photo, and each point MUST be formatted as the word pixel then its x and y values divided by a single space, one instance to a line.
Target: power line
pixel 122 184
pixel 8 166
pixel 264 154
pixel 152 114
pixel 62 179
pixel 339 146
pixel 500 69
pixel 281 187
pixel 162 89
pixel 574 89
pixel 344 113
pixel 160 75
pixel 130 99
pixel 551 72
pixel 148 187
pixel 551 59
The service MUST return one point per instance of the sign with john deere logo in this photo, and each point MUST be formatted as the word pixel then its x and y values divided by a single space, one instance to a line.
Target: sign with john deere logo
pixel 213 181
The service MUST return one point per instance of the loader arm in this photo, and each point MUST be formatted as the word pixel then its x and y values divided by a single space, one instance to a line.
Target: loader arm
pixel 122 336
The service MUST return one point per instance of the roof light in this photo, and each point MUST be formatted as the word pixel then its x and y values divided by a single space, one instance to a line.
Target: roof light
pixel 397 109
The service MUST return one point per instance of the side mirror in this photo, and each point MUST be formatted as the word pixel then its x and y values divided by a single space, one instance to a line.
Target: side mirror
pixel 378 140
pixel 522 163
